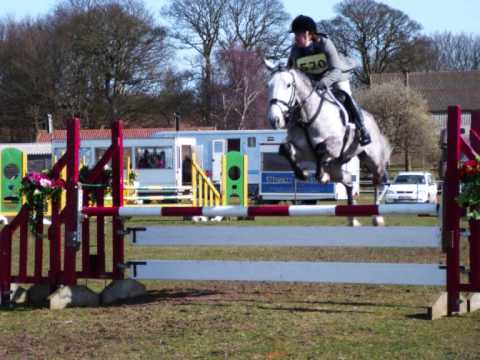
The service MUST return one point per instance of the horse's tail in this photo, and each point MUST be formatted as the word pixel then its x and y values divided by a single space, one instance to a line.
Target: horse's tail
pixel 379 151
pixel 387 149
pixel 386 153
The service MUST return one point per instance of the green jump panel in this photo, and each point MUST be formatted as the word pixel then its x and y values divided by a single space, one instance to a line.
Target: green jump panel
pixel 236 172
pixel 12 167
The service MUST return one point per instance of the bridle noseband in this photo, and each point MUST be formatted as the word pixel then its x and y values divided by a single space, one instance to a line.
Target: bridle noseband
pixel 292 106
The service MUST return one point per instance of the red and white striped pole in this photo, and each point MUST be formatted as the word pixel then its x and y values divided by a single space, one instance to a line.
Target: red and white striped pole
pixel 267 210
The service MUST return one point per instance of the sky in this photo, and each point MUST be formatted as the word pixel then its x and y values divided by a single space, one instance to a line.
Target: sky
pixel 434 15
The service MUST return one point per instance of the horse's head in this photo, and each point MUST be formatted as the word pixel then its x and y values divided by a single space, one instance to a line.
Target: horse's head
pixel 281 95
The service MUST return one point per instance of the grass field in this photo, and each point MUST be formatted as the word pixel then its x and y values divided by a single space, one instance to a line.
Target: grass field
pixel 220 320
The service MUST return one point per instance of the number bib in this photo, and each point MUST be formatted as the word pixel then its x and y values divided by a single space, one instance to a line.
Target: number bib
pixel 313 64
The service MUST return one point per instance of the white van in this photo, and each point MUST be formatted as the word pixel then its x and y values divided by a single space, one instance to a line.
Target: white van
pixel 413 187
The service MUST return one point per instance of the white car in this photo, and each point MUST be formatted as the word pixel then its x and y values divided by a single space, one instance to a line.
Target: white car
pixel 413 187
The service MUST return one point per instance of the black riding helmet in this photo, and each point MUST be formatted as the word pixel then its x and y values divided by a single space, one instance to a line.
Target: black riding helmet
pixel 303 23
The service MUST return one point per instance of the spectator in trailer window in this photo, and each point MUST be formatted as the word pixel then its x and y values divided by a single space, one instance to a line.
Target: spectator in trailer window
pixel 162 160
pixel 145 160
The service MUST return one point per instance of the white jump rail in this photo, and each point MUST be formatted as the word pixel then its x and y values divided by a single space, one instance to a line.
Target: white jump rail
pixel 290 271
pixel 307 236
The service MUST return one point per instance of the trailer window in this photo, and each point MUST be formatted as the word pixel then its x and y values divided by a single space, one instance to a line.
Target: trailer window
pixel 127 154
pixel 154 157
pixel 218 147
pixel 99 152
pixel 58 153
pixel 85 154
pixel 252 141
pixel 274 162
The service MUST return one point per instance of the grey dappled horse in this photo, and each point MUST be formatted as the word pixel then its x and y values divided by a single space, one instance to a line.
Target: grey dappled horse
pixel 318 130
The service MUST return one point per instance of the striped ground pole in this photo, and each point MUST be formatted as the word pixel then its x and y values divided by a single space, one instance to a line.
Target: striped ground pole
pixel 269 210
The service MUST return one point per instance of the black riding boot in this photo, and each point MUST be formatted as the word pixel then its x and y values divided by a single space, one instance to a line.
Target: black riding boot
pixel 357 116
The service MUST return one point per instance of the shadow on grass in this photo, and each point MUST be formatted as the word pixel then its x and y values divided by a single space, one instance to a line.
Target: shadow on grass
pixel 419 316
pixel 353 303
pixel 19 308
pixel 313 303
pixel 307 310
pixel 254 304
pixel 155 296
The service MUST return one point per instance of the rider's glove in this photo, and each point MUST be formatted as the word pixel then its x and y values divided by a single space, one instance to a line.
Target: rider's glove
pixel 320 85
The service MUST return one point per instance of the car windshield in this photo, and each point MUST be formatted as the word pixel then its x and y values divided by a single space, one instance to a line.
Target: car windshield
pixel 410 179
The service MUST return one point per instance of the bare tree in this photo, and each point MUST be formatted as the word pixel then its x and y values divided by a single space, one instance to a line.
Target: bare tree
pixel 402 114
pixel 25 86
pixel 196 25
pixel 373 32
pixel 455 51
pixel 97 59
pixel 114 49
pixel 415 55
pixel 176 95
pixel 241 93
pixel 257 25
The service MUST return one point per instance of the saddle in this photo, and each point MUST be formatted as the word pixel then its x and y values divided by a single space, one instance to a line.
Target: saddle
pixel 337 97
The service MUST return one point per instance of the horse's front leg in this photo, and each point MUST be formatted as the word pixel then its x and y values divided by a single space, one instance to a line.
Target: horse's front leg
pixel 321 161
pixel 321 175
pixel 352 221
pixel 289 151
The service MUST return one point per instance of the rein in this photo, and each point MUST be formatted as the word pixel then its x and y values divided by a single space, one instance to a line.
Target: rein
pixel 293 106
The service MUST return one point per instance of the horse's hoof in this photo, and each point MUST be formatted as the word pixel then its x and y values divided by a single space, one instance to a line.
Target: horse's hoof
pixel 354 222
pixel 378 221
pixel 301 175
pixel 325 178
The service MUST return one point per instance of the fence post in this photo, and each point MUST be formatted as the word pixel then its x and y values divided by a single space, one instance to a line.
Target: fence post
pixel 72 240
pixel 117 200
pixel 451 231
pixel 5 265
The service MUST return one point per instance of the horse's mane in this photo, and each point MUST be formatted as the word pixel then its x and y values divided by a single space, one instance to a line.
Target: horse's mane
pixel 300 75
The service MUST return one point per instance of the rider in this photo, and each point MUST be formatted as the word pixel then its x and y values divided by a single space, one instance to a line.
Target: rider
pixel 315 54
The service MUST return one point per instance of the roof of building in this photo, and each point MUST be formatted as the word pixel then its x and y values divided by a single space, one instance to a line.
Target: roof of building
pixel 441 89
pixel 128 133
pixel 29 148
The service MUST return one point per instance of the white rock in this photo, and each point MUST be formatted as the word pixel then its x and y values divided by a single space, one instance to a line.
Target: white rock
pixel 73 296
pixel 18 294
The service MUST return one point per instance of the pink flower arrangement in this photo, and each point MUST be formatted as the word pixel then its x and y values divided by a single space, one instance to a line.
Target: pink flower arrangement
pixel 37 189
pixel 40 181
pixel 469 197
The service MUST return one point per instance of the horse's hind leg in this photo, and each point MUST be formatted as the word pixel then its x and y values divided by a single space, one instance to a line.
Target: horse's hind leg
pixel 290 153
pixel 377 220
pixel 346 179
pixel 378 172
